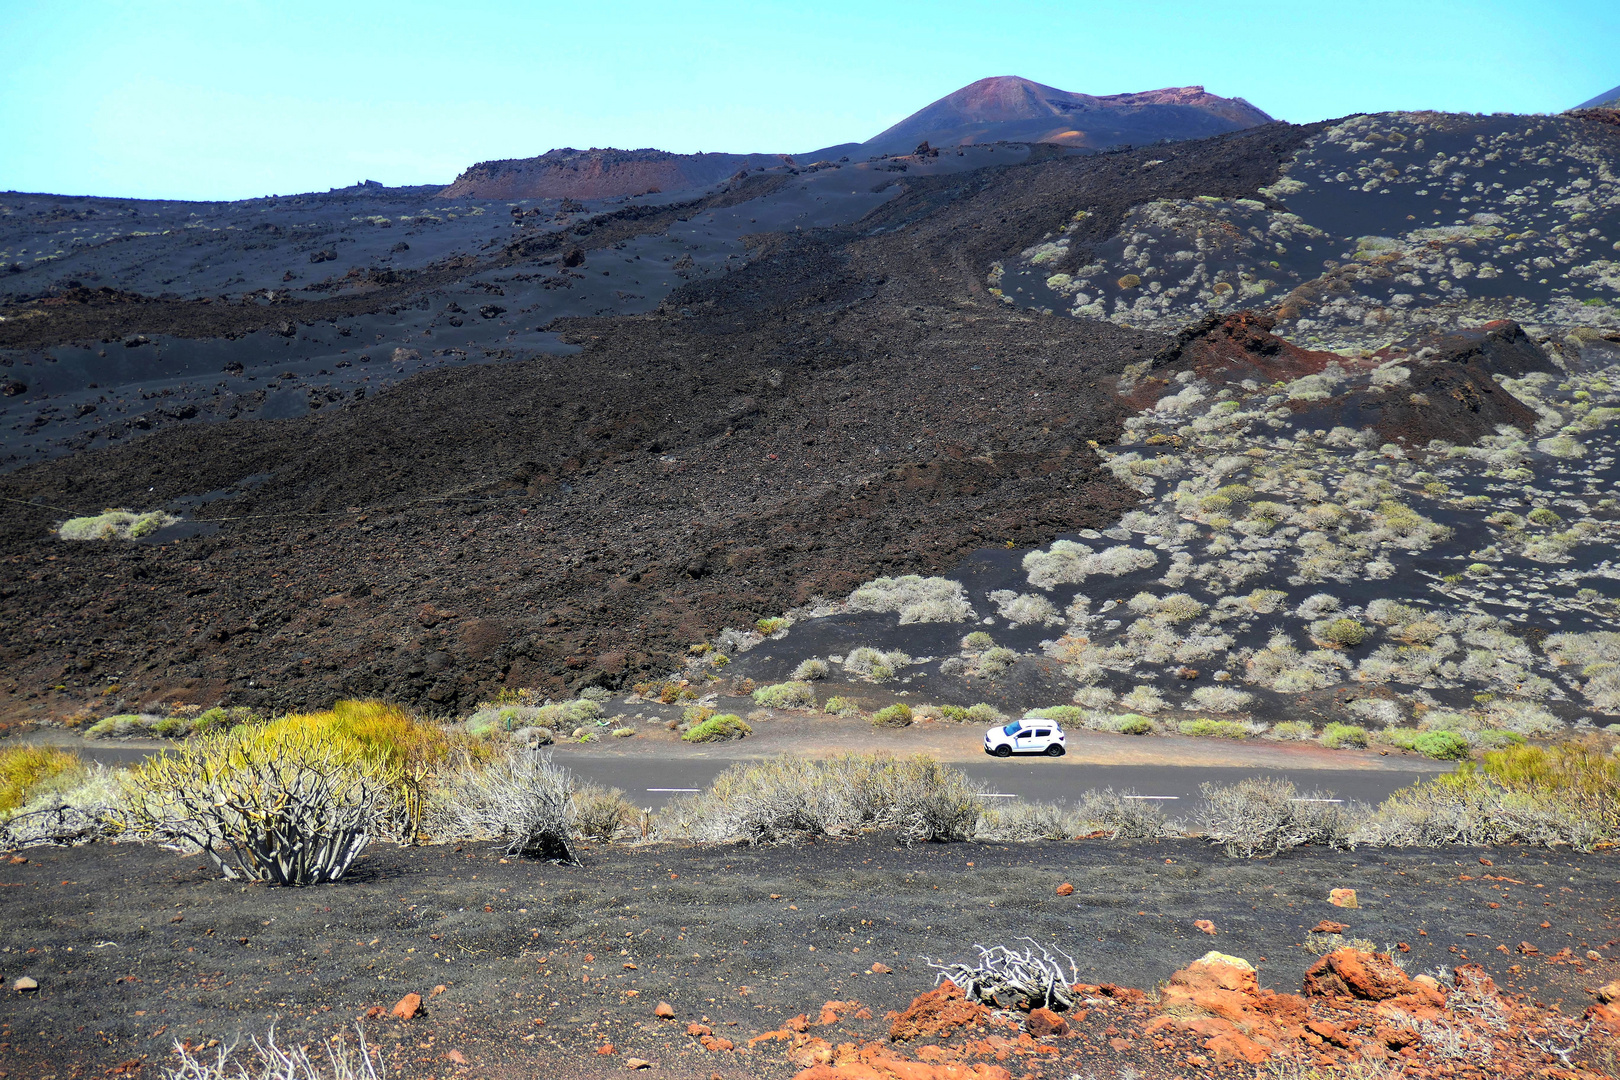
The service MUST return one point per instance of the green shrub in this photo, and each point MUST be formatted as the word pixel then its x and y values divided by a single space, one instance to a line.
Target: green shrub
pixel 568 714
pixel 717 728
pixel 1443 745
pixel 623 732
pixel 120 726
pixel 1541 515
pixel 955 713
pixel 997 660
pixel 770 626
pixel 1219 729
pixel 1293 729
pixel 812 668
pixel 26 770
pixel 896 715
pixel 1337 736
pixel 1062 714
pixel 1400 738
pixel 172 727
pixel 978 641
pixel 1132 724
pixel 984 714
pixel 220 719
pixel 787 695
pixel 115 525
pixel 841 706
pixel 1343 633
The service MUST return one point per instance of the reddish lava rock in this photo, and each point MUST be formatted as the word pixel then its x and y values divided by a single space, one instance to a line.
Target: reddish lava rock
pixel 1205 925
pixel 1355 974
pixel 1065 889
pixel 936 1013
pixel 1328 926
pixel 408 1006
pixel 1044 1022
pixel 664 1011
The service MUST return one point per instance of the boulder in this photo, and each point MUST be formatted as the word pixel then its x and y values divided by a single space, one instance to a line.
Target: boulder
pixel 1351 973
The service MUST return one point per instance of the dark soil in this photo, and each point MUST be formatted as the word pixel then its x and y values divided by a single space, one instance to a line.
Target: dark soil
pixel 135 947
pixel 850 403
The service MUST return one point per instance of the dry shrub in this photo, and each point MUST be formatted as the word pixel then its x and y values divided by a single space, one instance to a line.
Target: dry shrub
pixel 1122 815
pixel 521 798
pixel 1264 816
pixel 273 1062
pixel 783 799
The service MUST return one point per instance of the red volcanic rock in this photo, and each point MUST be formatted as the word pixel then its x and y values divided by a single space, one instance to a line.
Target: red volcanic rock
pixel 1355 974
pixel 936 1013
pixel 1044 1022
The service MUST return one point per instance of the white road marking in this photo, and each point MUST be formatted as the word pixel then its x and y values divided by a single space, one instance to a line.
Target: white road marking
pixel 1316 800
pixel 683 789
pixel 995 795
pixel 1171 798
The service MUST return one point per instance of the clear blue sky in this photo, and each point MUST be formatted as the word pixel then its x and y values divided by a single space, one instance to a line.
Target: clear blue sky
pixel 238 98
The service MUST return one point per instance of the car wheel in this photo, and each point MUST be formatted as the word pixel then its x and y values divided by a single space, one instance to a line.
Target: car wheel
pixel 1054 751
pixel 1003 751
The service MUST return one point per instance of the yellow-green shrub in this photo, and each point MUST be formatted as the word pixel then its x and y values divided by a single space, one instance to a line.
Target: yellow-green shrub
pixel 24 770
pixel 715 728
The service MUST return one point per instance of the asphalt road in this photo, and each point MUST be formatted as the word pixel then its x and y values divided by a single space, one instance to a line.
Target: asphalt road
pixel 652 780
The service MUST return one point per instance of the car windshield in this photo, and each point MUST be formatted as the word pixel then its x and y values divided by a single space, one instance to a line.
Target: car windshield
pixel 1010 729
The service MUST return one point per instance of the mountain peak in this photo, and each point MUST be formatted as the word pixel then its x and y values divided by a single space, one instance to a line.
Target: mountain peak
pixel 1017 109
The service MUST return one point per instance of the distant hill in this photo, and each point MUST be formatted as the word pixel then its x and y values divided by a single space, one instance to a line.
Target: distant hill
pixel 1609 99
pixel 1005 108
pixel 600 173
pixel 1018 110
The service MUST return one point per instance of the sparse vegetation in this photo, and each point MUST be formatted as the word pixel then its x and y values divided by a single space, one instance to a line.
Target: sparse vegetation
pixel 1217 729
pixel 775 801
pixel 1266 817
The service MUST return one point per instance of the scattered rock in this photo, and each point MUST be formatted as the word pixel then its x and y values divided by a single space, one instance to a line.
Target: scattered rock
pixel 1345 898
pixel 437 990
pixel 881 969
pixel 1065 889
pixel 1328 926
pixel 1205 925
pixel 25 985
pixel 664 1011
pixel 637 1063
pixel 407 1006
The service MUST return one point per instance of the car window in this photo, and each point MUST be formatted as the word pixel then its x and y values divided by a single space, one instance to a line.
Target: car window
pixel 1010 729
pixel 1043 733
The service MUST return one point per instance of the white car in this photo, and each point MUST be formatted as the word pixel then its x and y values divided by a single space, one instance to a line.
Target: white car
pixel 1027 736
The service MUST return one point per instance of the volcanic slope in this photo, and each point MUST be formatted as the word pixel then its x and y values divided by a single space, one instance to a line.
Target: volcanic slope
pixel 851 402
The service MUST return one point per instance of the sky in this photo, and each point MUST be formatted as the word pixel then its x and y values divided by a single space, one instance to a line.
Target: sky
pixel 234 99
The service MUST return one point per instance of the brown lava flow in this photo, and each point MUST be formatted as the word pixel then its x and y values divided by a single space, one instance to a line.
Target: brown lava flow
pixel 134 947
